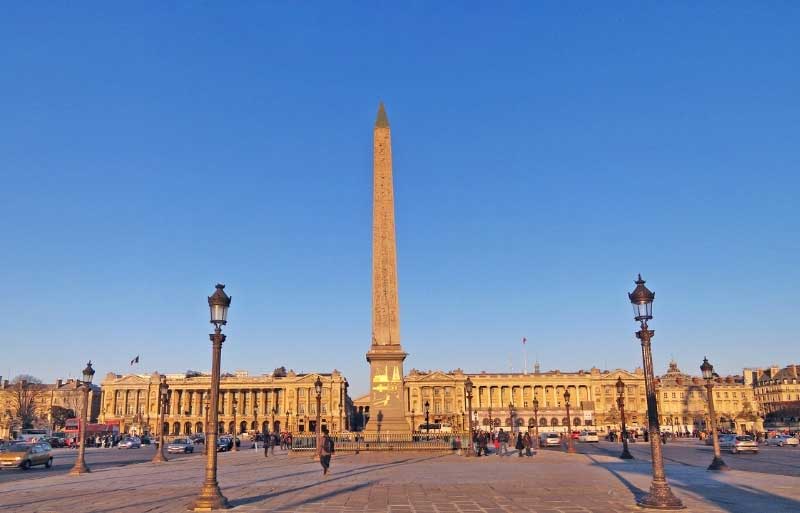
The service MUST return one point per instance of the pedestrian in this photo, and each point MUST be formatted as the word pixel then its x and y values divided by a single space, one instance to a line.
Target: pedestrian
pixel 519 445
pixel 526 441
pixel 326 451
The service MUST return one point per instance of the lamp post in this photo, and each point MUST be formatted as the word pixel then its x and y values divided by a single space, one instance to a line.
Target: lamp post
pixel 255 437
pixel 205 426
pixel 511 417
pixel 536 420
pixel 86 385
pixel 468 388
pixel 318 426
pixel 708 373
pixel 427 418
pixel 159 456
pixel 347 411
pixel 210 497
pixel 235 403
pixel 626 455
pixel 570 442
pixel 660 496
pixel 288 413
pixel 491 424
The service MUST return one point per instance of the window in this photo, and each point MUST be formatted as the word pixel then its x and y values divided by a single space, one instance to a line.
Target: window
pixel 666 395
pixel 673 395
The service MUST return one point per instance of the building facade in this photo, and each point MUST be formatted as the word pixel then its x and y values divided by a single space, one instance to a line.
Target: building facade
pixel 777 390
pixel 278 401
pixel 43 397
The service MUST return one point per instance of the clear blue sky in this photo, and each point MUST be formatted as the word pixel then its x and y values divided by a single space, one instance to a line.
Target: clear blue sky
pixel 543 154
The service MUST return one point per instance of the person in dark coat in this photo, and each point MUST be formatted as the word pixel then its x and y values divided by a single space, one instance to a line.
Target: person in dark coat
pixel 326 451
pixel 519 445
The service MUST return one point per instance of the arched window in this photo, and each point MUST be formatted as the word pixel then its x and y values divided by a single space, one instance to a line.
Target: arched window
pixel 543 422
pixel 554 422
pixel 564 421
pixel 243 426
pixel 198 427
pixel 576 421
pixel 187 428
pixel 176 428
pixel 231 427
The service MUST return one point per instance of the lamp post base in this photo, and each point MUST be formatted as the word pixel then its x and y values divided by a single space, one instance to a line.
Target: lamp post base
pixel 660 497
pixel 626 455
pixel 210 499
pixel 79 468
pixel 159 456
pixel 718 464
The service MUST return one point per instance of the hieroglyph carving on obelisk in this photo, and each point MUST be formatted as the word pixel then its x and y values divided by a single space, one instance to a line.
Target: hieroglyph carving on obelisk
pixel 385 305
pixel 387 411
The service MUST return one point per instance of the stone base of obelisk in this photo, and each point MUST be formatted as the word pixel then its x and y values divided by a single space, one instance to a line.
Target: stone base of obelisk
pixel 386 409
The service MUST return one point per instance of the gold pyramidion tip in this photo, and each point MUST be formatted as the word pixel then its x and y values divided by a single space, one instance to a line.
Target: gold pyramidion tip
pixel 382 121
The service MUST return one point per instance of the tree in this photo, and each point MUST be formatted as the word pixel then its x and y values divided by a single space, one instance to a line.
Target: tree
pixel 59 416
pixel 25 393
pixel 280 372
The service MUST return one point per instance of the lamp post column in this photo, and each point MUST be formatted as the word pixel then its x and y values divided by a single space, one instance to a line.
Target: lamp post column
pixel 570 442
pixel 80 464
pixel 318 426
pixel 536 421
pixel 159 456
pixel 626 455
pixel 211 497
pixel 469 441
pixel 235 427
pixel 660 496
pixel 708 373
pixel 205 428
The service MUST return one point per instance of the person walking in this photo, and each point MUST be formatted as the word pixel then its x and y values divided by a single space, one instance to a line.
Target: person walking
pixel 326 451
pixel 519 445
pixel 526 441
pixel 502 437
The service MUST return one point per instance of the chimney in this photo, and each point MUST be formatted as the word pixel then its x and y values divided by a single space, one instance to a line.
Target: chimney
pixel 794 370
pixel 59 382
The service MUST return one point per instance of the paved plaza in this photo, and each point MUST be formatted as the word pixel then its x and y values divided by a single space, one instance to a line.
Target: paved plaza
pixel 549 482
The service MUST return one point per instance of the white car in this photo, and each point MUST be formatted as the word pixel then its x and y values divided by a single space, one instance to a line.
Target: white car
pixel 133 442
pixel 781 440
pixel 738 443
pixel 588 436
pixel 549 439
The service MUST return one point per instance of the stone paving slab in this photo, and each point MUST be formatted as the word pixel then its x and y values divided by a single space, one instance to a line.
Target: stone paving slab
pixel 550 482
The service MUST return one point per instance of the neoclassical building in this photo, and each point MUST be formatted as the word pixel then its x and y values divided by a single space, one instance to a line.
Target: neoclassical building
pixel 778 392
pixel 271 401
pixel 497 397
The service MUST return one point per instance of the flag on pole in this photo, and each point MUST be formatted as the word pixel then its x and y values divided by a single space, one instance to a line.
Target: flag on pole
pixel 135 360
pixel 524 340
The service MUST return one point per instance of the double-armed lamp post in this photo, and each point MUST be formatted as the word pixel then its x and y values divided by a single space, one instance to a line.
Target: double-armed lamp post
pixel 159 456
pixel 427 418
pixel 626 455
pixel 468 388
pixel 708 373
pixel 660 496
pixel 211 497
pixel 86 386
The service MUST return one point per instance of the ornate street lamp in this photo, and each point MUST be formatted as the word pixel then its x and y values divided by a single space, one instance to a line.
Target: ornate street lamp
pixel 536 420
pixel 570 442
pixel 427 418
pixel 511 416
pixel 288 413
pixel 85 386
pixel 205 426
pixel 318 426
pixel 626 455
pixel 708 373
pixel 491 423
pixel 211 497
pixel 660 496
pixel 234 402
pixel 255 437
pixel 468 387
pixel 159 456
pixel 347 412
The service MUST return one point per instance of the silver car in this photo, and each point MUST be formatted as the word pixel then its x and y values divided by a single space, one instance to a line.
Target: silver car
pixel 781 440
pixel 738 443
pixel 181 445
pixel 133 442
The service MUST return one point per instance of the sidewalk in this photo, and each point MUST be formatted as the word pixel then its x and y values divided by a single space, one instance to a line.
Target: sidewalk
pixel 550 482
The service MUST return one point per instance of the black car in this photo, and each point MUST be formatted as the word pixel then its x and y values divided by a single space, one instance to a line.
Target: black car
pixel 224 444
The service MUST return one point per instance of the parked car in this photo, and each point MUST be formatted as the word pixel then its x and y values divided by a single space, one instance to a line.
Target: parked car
pixel 25 455
pixel 198 439
pixel 146 440
pixel 184 445
pixel 56 441
pixel 781 440
pixel 738 443
pixel 588 436
pixel 549 439
pixel 133 442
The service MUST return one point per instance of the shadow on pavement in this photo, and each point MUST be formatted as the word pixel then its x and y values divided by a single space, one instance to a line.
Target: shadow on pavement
pixel 730 497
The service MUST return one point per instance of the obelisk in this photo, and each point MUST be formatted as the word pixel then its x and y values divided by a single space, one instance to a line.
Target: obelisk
pixel 385 356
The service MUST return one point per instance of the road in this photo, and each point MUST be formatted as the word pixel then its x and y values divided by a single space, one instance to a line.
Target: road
pixel 64 459
pixel 769 460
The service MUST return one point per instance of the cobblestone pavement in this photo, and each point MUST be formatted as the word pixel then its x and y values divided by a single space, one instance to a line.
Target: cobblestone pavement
pixel 550 482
